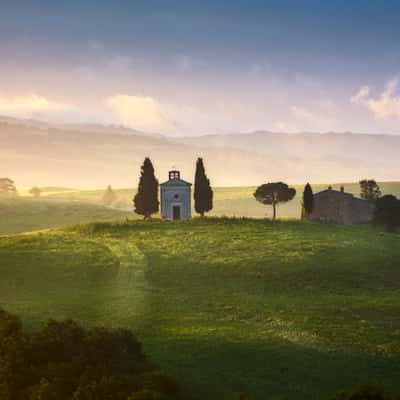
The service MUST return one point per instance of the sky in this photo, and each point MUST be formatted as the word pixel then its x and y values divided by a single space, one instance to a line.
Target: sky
pixel 194 67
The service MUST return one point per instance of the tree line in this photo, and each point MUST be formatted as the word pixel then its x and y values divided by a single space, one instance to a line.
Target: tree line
pixel 7 187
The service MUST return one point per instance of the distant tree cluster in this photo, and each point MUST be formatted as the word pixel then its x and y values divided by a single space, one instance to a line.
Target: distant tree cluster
pixel 7 187
pixel 64 361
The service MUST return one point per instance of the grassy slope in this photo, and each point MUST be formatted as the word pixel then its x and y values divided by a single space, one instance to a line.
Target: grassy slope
pixel 229 201
pixel 23 214
pixel 286 310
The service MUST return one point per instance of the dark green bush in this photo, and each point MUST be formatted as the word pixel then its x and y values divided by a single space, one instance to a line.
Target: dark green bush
pixel 65 361
pixel 387 212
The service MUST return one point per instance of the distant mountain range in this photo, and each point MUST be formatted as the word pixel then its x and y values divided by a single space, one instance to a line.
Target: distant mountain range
pixel 38 153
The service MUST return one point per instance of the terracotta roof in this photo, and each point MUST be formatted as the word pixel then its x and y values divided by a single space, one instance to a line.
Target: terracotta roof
pixel 334 192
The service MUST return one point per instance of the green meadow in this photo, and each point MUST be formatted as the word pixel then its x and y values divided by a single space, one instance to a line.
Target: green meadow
pixel 25 214
pixel 285 310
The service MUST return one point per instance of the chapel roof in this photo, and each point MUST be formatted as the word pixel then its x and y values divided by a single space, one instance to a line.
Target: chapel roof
pixel 175 179
pixel 176 182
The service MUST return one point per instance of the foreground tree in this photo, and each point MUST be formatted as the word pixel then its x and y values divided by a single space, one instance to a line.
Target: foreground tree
pixel 109 196
pixel 370 190
pixel 63 361
pixel 7 186
pixel 273 194
pixel 308 200
pixel 35 192
pixel 203 193
pixel 146 199
pixel 387 212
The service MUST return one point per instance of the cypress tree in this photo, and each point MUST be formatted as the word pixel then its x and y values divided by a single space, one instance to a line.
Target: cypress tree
pixel 308 200
pixel 203 194
pixel 109 196
pixel 146 199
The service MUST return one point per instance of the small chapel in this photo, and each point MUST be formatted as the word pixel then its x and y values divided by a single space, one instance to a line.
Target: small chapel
pixel 176 197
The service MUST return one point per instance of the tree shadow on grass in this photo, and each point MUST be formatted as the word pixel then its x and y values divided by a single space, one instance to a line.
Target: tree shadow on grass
pixel 215 367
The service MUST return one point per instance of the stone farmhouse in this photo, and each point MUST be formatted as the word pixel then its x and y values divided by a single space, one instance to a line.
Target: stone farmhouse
pixel 341 208
pixel 175 198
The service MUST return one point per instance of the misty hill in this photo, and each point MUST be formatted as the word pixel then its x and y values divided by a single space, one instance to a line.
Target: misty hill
pixel 32 153
pixel 38 153
pixel 352 149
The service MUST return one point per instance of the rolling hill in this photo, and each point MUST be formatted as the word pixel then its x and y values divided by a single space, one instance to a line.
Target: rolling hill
pixel 24 214
pixel 285 310
pixel 92 156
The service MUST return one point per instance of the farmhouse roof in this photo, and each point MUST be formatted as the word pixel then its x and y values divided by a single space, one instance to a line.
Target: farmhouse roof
pixel 339 194
pixel 334 193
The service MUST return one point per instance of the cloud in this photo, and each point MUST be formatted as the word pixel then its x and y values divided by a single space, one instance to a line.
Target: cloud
pixel 38 107
pixel 140 112
pixel 385 106
pixel 361 95
pixel 149 114
pixel 29 105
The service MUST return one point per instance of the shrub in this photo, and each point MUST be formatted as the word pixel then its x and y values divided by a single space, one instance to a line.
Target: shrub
pixel 387 212
pixel 65 361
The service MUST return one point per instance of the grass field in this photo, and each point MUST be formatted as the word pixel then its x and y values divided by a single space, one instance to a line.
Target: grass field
pixel 24 214
pixel 285 310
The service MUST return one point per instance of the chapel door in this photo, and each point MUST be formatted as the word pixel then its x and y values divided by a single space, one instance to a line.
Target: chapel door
pixel 176 212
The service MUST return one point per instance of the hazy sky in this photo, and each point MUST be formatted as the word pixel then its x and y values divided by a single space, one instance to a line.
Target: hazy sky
pixel 190 67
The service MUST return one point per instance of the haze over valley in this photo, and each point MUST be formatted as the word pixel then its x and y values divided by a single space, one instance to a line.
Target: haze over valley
pixel 93 155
